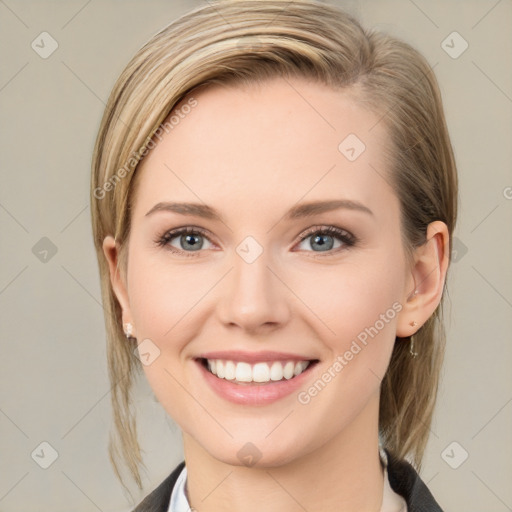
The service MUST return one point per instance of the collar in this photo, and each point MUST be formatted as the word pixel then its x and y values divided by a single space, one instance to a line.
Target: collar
pixel 403 479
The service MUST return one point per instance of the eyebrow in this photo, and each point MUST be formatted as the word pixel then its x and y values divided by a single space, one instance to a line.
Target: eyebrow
pixel 299 211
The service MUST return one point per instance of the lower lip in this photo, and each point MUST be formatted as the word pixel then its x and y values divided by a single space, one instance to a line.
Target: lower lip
pixel 256 394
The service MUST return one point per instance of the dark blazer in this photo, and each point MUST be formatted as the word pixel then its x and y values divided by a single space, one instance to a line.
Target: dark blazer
pixel 403 479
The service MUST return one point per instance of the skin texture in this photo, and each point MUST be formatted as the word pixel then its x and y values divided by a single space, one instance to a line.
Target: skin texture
pixel 252 153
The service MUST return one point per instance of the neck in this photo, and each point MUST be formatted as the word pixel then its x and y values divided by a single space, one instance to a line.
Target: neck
pixel 343 474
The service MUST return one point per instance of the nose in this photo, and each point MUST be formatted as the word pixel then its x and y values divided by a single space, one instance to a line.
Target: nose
pixel 254 298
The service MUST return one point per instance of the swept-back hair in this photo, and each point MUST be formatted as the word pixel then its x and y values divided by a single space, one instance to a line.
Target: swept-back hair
pixel 247 41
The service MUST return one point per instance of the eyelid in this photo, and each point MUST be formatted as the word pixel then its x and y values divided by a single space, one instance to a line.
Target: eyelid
pixel 325 228
pixel 164 239
pixel 345 236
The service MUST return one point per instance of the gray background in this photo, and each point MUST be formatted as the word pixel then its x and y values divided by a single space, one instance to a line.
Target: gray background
pixel 54 386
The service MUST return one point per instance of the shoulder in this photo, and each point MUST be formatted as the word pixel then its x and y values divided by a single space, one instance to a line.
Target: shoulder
pixel 158 499
pixel 405 481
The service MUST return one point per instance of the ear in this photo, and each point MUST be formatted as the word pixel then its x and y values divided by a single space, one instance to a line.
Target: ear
pixel 111 251
pixel 425 282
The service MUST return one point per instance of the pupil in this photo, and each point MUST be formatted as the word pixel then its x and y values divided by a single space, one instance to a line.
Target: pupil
pixel 189 240
pixel 320 239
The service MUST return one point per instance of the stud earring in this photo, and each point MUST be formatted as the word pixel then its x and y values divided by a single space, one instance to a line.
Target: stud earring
pixel 128 330
pixel 412 295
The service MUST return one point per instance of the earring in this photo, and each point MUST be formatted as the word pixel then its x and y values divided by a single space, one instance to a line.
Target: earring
pixel 413 294
pixel 411 347
pixel 128 330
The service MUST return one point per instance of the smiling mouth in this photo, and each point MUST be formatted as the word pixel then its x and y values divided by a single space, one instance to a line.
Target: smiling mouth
pixel 260 373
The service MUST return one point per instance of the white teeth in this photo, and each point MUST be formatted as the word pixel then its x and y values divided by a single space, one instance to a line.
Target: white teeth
pixel 220 369
pixel 276 371
pixel 259 372
pixel 243 372
pixel 229 370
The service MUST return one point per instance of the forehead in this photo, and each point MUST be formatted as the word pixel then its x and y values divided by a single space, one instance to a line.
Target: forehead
pixel 267 143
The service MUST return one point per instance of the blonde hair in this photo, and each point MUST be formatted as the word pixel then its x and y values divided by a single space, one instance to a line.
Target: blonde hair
pixel 248 41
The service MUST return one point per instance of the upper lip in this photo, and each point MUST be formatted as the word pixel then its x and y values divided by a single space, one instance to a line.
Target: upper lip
pixel 252 357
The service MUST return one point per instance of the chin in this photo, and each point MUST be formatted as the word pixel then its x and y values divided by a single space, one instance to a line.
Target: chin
pixel 264 454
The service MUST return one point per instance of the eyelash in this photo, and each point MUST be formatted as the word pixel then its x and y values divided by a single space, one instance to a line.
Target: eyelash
pixel 347 238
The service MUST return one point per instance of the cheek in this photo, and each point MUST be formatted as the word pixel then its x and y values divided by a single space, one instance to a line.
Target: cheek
pixel 162 296
pixel 351 297
pixel 161 303
pixel 356 308
pixel 358 311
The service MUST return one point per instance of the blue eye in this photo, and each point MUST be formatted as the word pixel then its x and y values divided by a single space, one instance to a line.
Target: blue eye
pixel 324 237
pixel 191 240
pixel 187 238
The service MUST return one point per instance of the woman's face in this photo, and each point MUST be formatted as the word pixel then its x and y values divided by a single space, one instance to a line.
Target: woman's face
pixel 250 160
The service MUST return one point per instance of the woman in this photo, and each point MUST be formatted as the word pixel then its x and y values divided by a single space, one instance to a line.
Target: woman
pixel 273 198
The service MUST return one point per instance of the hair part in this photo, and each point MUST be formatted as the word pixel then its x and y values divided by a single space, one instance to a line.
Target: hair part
pixel 247 41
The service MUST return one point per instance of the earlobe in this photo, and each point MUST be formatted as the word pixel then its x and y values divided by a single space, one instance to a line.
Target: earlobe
pixel 111 252
pixel 428 278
